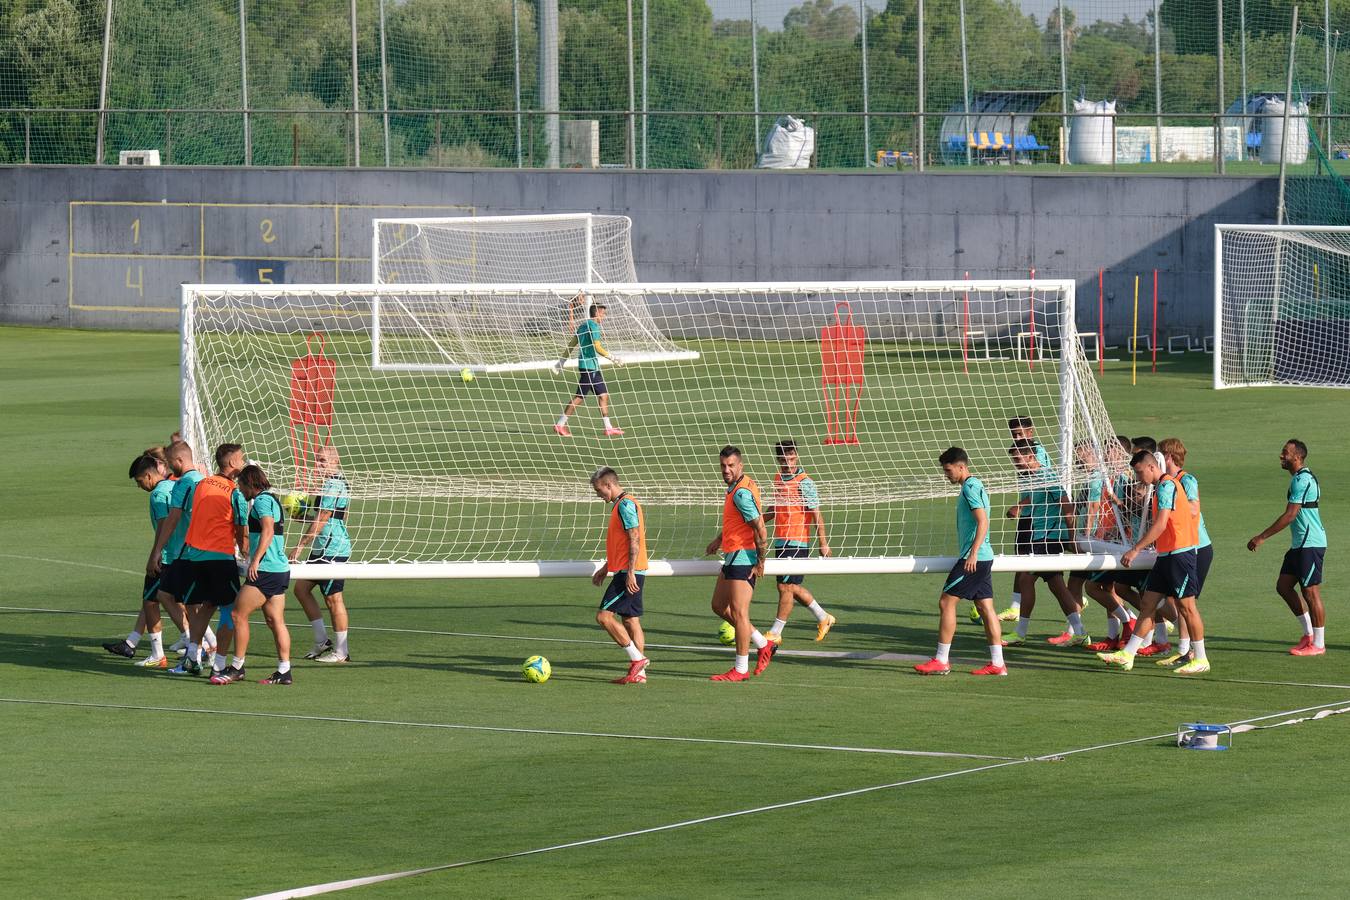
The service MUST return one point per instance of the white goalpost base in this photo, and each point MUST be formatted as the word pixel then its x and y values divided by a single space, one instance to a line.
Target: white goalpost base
pixel 455 478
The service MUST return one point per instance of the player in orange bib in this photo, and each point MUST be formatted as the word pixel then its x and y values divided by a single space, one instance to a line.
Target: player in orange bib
pixel 626 556
pixel 743 542
pixel 795 511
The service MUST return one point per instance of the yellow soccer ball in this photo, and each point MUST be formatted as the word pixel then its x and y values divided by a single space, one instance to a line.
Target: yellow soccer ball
pixel 536 670
pixel 466 375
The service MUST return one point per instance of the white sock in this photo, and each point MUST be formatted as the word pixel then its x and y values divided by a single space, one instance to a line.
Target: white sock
pixel 1199 648
pixel 320 633
pixel 608 424
pixel 194 652
pixel 1121 615
pixel 237 662
pixel 1160 631
pixel 996 655
pixel 1075 621
pixel 943 652
pixel 742 663
pixel 1320 637
pixel 209 638
pixel 284 666
pixel 340 643
pixel 778 626
pixel 156 644
pixel 1183 646
pixel 757 639
pixel 562 420
pixel 1306 619
pixel 818 611
pixel 1133 644
pixel 133 639
pixel 1023 623
pixel 1016 600
pixel 1112 627
pixel 633 652
pixel 218 664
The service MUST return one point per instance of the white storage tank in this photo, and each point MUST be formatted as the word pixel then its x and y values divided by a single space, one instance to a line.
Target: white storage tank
pixel 1091 137
pixel 1272 132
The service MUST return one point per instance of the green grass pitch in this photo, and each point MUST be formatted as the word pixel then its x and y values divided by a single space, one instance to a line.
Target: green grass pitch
pixel 148 785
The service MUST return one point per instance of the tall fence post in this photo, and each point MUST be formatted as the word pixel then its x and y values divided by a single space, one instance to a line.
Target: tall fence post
pixel 867 109
pixel 1218 119
pixel 631 155
pixel 1063 82
pixel 243 83
pixel 103 83
pixel 754 70
pixel 547 12
pixel 384 86
pixel 644 83
pixel 1288 104
pixel 515 38
pixel 923 89
pixel 1326 50
pixel 965 83
pixel 1157 84
pixel 356 95
pixel 1242 63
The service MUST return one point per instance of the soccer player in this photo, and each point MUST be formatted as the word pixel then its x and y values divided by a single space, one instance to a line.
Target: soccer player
pixel 267 578
pixel 327 533
pixel 589 379
pixel 1023 429
pixel 1303 561
pixel 795 511
pixel 626 557
pixel 1189 621
pixel 743 542
pixel 1173 533
pixel 970 578
pixel 166 562
pixel 1095 505
pixel 1050 532
pixel 151 476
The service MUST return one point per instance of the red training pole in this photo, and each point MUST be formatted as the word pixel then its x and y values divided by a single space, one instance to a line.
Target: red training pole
pixel 1031 337
pixel 965 333
pixel 1101 326
pixel 1155 320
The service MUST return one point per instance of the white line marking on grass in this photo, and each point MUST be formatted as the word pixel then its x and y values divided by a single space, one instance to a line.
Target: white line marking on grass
pixel 771 745
pixel 69 562
pixel 332 886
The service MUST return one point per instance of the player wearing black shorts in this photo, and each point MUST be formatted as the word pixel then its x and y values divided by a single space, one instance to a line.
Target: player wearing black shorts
pixel 589 380
pixel 620 612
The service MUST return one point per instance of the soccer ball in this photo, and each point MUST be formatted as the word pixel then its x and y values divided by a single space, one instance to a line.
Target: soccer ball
pixel 536 670
pixel 293 503
pixel 466 375
pixel 726 633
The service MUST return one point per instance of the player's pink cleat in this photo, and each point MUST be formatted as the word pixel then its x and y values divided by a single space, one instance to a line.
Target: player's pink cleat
pixel 990 669
pixel 731 675
pixel 1106 646
pixel 1156 649
pixel 933 667
pixel 635 668
pixel 563 430
pixel 1303 644
pixel 1310 649
pixel 613 432
pixel 1060 640
pixel 765 655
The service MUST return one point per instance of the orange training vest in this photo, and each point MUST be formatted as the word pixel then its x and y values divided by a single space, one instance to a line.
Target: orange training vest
pixel 212 525
pixel 789 511
pixel 736 532
pixel 616 542
pixel 1183 529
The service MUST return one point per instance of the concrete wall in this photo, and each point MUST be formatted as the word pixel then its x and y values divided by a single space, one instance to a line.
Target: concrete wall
pixel 108 247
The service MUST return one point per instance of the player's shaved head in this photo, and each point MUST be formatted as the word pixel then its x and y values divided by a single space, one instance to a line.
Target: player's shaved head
pixel 604 474
pixel 1299 448
pixel 225 456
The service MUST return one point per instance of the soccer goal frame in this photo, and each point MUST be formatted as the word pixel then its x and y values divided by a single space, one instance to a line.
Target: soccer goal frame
pixel 1249 347
pixel 1077 400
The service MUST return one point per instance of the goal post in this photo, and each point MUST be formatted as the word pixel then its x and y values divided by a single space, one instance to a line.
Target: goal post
pixel 1281 306
pixel 467 478
pixel 557 248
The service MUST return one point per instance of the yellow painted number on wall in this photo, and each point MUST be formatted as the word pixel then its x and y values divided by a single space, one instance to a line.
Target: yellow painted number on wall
pixel 265 226
pixel 135 231
pixel 139 284
pixel 264 276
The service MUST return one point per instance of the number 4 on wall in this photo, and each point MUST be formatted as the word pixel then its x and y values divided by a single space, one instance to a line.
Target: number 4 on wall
pixel 139 284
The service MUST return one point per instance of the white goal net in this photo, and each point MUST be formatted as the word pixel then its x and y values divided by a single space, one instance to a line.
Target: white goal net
pixel 1281 306
pixel 562 248
pixel 452 475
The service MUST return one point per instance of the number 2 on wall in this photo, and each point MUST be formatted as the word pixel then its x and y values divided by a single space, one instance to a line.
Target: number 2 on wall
pixel 265 226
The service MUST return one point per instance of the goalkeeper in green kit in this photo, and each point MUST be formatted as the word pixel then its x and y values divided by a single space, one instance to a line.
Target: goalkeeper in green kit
pixel 589 379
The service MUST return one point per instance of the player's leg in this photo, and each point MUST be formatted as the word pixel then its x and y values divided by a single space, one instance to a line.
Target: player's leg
pixel 1071 606
pixel 940 664
pixel 786 600
pixel 634 626
pixel 155 632
pixel 1287 586
pixel 126 647
pixel 1189 613
pixel 274 614
pixel 619 609
pixel 1142 628
pixel 1025 586
pixel 199 615
pixel 722 605
pixel 824 621
pixel 304 592
pixel 248 600
pixel 570 409
pixel 993 633
pixel 337 609
pixel 611 429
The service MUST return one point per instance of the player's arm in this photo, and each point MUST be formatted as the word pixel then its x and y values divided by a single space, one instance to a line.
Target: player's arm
pixel 817 521
pixel 571 345
pixel 1016 509
pixel 1067 511
pixel 634 539
pixel 1290 513
pixel 1154 532
pixel 714 545
pixel 320 519
pixel 162 531
pixel 761 544
pixel 264 541
pixel 981 532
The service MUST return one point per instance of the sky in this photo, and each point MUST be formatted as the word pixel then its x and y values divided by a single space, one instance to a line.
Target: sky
pixel 771 12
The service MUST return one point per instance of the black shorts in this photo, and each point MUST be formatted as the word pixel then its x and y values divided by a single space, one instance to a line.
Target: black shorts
pixel 270 584
pixel 1130 578
pixel 1173 575
pixel 1204 558
pixel 590 381
pixel 791 553
pixel 214 581
pixel 151 586
pixel 617 599
pixel 1046 547
pixel 175 579
pixel 333 585
pixel 1022 543
pixel 739 573
pixel 977 585
pixel 1305 564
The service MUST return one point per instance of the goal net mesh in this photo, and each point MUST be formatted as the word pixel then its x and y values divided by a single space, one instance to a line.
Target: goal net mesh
pixel 1284 307
pixel 872 382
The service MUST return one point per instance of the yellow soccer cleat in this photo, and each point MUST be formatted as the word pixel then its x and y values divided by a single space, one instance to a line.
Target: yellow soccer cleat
pixel 1119 658
pixel 1194 667
pixel 823 627
pixel 1171 662
pixel 1009 615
